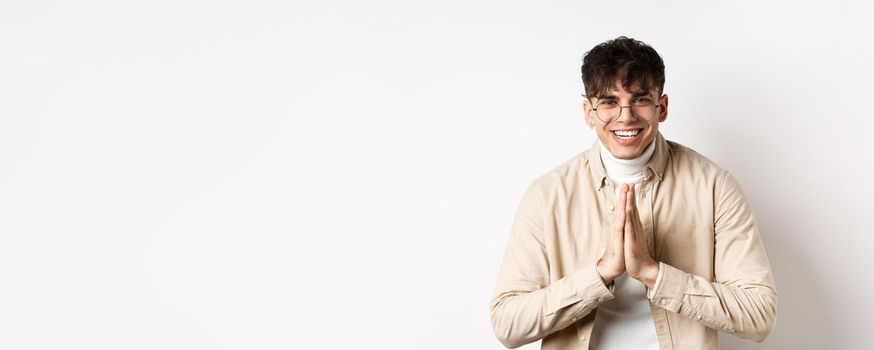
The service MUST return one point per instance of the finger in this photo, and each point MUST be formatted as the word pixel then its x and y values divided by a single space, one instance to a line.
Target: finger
pixel 629 242
pixel 623 196
pixel 619 213
pixel 629 225
pixel 619 217
pixel 634 227
pixel 632 220
pixel 631 202
pixel 627 229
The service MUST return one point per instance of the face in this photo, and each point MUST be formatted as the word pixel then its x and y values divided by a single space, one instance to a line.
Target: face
pixel 636 133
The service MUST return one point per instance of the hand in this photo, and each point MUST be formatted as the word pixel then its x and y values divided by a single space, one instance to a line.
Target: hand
pixel 612 263
pixel 638 261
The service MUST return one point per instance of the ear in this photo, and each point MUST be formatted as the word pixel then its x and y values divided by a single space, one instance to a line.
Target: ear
pixel 663 111
pixel 587 112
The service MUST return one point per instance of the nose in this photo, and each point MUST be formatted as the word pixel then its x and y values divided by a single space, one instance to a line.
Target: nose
pixel 626 111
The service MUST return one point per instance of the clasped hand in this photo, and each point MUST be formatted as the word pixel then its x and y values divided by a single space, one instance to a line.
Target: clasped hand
pixel 626 246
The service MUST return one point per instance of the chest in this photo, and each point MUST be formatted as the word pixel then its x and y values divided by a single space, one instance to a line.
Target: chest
pixel 677 219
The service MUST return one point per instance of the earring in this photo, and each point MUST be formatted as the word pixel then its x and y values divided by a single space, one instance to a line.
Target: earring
pixel 591 126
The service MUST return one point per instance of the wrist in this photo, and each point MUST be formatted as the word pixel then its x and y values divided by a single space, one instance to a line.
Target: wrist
pixel 606 276
pixel 649 274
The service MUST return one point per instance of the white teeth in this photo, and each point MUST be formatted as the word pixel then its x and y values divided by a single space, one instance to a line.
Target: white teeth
pixel 626 133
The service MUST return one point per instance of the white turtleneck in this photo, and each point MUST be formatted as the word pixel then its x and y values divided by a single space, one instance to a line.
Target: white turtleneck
pixel 625 322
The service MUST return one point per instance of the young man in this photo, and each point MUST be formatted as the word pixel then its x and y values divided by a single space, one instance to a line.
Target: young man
pixel 637 243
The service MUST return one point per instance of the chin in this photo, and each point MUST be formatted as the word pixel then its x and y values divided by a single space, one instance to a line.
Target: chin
pixel 628 151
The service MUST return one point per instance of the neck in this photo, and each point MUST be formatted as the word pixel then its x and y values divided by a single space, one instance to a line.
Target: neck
pixel 625 167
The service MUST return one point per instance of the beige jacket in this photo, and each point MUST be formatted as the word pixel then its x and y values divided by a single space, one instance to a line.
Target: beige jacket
pixel 714 273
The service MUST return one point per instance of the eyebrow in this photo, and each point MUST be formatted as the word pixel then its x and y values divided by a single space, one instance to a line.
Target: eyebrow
pixel 609 96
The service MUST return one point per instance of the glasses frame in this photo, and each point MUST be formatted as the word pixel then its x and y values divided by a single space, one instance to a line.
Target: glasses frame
pixel 631 111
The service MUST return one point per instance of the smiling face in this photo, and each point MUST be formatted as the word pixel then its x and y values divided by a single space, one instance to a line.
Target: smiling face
pixel 627 136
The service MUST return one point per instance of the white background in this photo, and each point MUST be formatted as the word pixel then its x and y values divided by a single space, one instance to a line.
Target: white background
pixel 342 174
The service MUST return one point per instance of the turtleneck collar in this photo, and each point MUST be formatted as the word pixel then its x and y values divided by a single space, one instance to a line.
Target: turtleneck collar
pixel 625 167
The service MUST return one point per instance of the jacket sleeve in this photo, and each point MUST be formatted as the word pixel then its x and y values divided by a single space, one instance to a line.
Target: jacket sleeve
pixel 526 305
pixel 743 299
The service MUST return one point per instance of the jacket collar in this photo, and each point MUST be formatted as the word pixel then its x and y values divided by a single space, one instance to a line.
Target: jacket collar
pixel 656 164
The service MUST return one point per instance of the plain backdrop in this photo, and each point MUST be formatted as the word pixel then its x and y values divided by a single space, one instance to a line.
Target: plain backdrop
pixel 344 174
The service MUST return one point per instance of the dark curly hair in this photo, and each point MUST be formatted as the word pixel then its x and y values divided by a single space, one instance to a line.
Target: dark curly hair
pixel 625 60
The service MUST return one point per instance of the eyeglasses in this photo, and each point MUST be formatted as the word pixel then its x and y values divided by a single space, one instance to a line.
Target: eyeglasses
pixel 641 108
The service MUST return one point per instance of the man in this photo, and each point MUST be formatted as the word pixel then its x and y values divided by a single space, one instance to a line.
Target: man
pixel 637 243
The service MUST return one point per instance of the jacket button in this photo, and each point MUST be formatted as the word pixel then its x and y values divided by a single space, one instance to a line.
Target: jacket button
pixel 664 302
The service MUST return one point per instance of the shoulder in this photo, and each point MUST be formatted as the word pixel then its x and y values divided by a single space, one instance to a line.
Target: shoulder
pixel 688 163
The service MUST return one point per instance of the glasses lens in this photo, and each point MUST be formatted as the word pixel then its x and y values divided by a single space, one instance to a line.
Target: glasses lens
pixel 643 110
pixel 607 111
